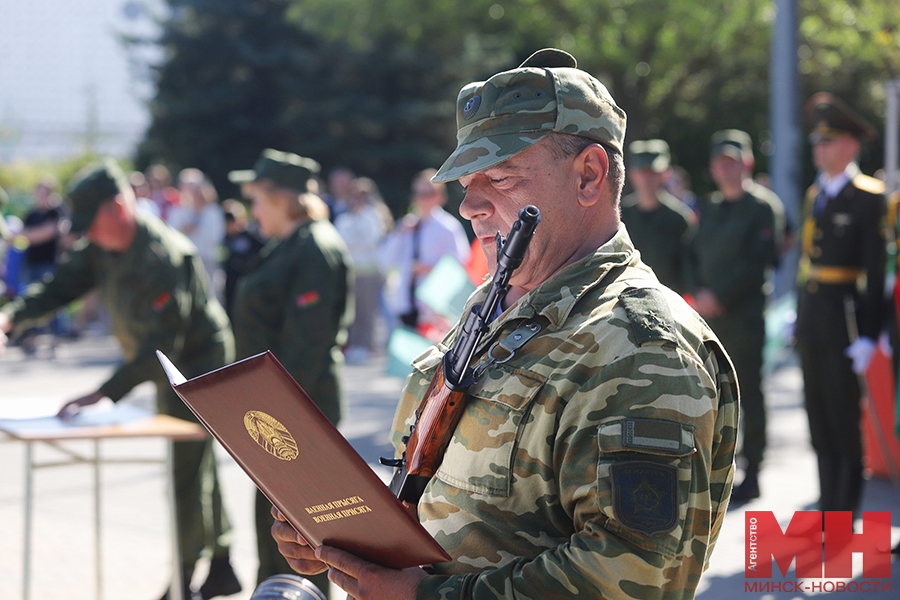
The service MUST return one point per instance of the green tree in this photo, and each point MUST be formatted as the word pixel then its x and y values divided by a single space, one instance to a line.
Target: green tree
pixel 240 76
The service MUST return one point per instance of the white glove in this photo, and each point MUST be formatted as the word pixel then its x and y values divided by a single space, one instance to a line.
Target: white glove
pixel 884 344
pixel 860 352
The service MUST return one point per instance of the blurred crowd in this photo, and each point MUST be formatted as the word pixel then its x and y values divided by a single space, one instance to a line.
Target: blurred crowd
pixel 389 258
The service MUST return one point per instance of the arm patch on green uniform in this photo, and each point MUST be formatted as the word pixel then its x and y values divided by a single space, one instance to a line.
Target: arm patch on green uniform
pixel 651 319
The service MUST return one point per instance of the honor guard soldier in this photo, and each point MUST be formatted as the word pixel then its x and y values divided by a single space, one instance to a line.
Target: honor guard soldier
pixel 840 295
pixel 659 224
pixel 153 284
pixel 594 456
pixel 294 300
pixel 737 244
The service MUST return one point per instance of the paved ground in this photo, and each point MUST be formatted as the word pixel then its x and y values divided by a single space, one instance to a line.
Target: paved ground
pixel 135 543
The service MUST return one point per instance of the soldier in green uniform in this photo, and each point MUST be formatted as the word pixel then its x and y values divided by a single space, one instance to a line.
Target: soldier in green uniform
pixel 659 224
pixel 596 461
pixel 738 242
pixel 294 300
pixel 154 287
pixel 841 286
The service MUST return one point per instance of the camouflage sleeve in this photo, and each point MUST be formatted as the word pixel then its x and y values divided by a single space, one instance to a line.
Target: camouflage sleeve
pixel 642 457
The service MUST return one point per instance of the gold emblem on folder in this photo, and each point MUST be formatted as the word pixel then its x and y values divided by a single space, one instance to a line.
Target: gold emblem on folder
pixel 271 435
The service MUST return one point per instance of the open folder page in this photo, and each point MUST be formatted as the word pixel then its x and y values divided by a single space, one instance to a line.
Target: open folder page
pixel 302 463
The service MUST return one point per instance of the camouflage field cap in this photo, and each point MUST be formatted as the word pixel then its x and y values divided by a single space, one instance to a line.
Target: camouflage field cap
pixel 498 118
pixel 652 154
pixel 90 189
pixel 829 118
pixel 731 142
pixel 284 168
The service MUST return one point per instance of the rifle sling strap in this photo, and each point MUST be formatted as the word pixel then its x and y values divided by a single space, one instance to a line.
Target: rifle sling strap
pixel 504 349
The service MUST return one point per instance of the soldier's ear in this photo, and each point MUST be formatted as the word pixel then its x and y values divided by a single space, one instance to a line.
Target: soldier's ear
pixel 590 169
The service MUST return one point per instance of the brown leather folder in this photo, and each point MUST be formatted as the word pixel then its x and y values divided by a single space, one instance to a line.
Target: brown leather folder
pixel 302 463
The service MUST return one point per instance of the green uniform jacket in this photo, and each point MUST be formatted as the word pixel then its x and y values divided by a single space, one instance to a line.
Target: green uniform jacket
pixel 157 296
pixel 295 302
pixel 597 461
pixel 736 244
pixel 661 236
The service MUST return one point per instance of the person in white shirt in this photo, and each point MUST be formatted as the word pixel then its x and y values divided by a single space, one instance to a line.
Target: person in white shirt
pixel 201 219
pixel 363 226
pixel 417 243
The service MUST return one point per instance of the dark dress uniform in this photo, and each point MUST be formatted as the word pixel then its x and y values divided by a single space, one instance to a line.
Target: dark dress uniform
pixel 157 297
pixel 295 302
pixel 736 244
pixel 843 245
pixel 661 236
pixel 840 288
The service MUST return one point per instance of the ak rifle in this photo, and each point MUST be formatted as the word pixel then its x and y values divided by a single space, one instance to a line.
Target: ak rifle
pixel 444 401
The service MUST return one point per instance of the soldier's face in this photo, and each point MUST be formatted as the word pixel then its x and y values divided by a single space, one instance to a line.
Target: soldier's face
pixel 646 180
pixel 112 229
pixel 832 155
pixel 495 196
pixel 268 207
pixel 726 170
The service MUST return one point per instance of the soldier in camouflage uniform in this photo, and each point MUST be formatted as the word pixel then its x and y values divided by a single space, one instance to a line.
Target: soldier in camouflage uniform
pixel 737 244
pixel 596 460
pixel 154 287
pixel 842 264
pixel 659 224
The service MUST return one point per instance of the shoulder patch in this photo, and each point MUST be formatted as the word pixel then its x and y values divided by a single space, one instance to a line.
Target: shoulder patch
pixel 651 319
pixel 645 496
pixel 868 184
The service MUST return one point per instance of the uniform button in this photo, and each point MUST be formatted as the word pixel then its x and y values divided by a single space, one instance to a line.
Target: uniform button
pixel 812 287
pixel 817 234
pixel 815 252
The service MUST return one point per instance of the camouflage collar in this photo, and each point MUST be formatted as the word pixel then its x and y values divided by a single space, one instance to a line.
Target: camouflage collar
pixel 557 296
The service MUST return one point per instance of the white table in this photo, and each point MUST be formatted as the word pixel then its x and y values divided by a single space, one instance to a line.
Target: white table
pixel 120 421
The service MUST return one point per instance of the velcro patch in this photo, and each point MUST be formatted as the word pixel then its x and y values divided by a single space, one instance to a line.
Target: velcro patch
pixel 649 313
pixel 651 434
pixel 645 496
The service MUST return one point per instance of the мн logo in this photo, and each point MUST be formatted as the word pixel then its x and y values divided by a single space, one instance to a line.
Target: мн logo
pixel 820 551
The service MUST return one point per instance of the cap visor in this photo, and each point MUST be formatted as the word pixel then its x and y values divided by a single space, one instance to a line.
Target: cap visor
pixel 244 176
pixel 81 220
pixel 727 150
pixel 486 152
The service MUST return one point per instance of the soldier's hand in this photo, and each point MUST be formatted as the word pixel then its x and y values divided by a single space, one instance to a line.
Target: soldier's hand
pixel 860 352
pixel 295 549
pixel 363 580
pixel 73 407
